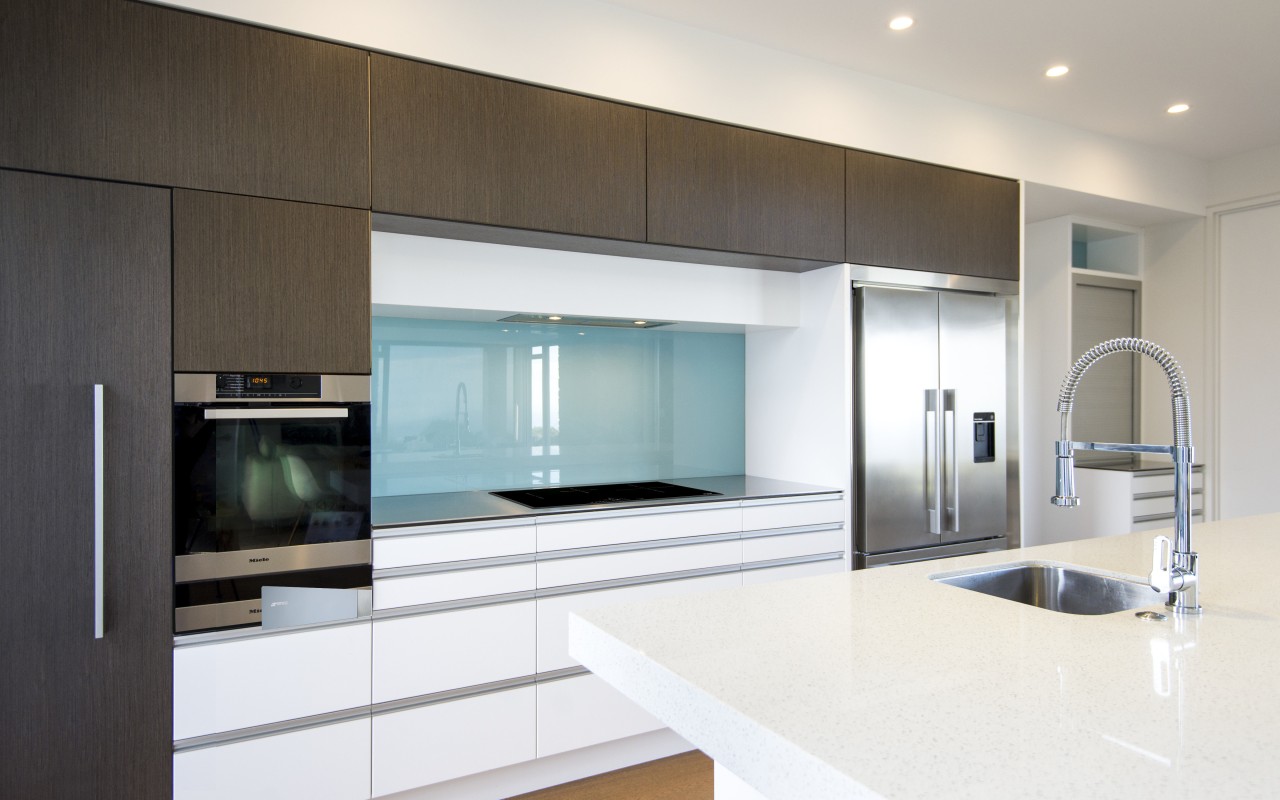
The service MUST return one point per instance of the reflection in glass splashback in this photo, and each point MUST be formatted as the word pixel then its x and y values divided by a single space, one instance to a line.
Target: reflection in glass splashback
pixel 487 405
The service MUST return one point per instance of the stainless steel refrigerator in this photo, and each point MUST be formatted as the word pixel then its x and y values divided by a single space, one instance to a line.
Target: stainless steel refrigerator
pixel 931 433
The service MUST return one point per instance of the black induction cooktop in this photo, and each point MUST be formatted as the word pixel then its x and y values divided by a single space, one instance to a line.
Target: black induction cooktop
pixel 562 496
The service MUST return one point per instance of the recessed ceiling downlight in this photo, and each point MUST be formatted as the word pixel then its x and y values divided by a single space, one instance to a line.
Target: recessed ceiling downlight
pixel 1057 71
pixel 1178 108
pixel 901 23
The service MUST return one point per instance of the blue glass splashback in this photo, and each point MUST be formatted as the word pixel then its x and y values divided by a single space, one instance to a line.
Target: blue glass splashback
pixel 488 405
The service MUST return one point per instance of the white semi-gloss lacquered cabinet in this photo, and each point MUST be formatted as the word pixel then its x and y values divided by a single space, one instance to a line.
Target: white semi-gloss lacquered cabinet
pixel 326 762
pixel 553 612
pixel 583 710
pixel 441 741
pixel 270 678
pixel 439 651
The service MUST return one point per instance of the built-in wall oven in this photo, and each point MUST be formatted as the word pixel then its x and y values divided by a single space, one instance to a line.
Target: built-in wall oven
pixel 271 488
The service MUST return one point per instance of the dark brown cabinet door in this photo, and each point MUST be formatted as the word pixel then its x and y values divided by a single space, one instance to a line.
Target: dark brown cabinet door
pixel 458 146
pixel 84 300
pixel 719 187
pixel 133 92
pixel 921 216
pixel 269 285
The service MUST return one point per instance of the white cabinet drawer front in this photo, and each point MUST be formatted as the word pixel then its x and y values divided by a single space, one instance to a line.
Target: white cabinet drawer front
pixel 610 566
pixel 793 514
pixel 767 548
pixel 754 576
pixel 330 762
pixel 582 711
pixel 451 649
pixel 553 612
pixel 1157 524
pixel 241 683
pixel 602 528
pixel 429 744
pixel 1164 505
pixel 440 587
pixel 1163 483
pixel 438 548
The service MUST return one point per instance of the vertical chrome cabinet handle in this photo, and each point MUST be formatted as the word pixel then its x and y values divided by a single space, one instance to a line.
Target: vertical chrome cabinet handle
pixel 932 465
pixel 97 510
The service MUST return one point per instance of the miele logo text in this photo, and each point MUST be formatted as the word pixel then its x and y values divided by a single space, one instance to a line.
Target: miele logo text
pixel 280 603
pixel 259 560
pixel 255 611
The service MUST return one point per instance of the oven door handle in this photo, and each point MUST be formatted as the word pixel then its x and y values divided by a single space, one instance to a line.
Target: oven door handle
pixel 276 413
pixel 99 502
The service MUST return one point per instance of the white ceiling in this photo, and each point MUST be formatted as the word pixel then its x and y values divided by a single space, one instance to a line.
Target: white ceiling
pixel 1129 59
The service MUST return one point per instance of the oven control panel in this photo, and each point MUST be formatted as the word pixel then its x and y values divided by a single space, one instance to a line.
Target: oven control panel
pixel 266 385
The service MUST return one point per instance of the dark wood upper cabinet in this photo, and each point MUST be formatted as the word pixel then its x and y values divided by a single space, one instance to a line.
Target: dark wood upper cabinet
pixel 133 92
pixel 921 216
pixel 720 187
pixel 269 285
pixel 458 146
pixel 84 300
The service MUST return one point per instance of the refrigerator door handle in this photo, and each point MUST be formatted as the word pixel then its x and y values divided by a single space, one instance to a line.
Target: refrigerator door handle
pixel 932 461
pixel 950 468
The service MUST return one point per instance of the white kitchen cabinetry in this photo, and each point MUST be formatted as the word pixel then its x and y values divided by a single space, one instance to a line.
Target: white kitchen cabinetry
pixel 589 566
pixel 267 677
pixel 325 762
pixel 765 574
pixel 789 512
pixel 444 740
pixel 438 651
pixel 583 710
pixel 553 612
pixel 600 528
pixel 1115 501
pixel 464 541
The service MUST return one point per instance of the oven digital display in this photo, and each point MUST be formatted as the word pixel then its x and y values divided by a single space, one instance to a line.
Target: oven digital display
pixel 266 385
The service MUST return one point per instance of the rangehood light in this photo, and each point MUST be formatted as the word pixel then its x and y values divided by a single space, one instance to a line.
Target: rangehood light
pixel 1178 108
pixel 585 322
pixel 901 23
pixel 1058 71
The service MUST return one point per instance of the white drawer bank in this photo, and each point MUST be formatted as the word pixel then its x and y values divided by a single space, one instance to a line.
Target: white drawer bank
pixel 470 691
pixel 1128 501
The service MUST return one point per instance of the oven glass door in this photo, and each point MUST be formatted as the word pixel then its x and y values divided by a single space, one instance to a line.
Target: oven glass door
pixel 269 489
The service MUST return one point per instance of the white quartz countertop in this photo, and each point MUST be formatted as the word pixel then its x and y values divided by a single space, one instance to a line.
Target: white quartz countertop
pixel 883 683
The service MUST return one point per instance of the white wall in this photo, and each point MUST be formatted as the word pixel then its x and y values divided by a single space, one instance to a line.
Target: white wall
pixel 597 48
pixel 1248 283
pixel 1046 356
pixel 800 389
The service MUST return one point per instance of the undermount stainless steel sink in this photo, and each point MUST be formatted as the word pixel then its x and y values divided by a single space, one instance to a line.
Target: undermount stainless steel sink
pixel 1056 587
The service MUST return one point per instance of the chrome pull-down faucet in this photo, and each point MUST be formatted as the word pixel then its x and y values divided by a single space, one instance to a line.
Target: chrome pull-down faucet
pixel 1175 566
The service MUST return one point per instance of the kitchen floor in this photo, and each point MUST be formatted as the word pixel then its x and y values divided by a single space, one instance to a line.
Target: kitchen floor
pixel 683 777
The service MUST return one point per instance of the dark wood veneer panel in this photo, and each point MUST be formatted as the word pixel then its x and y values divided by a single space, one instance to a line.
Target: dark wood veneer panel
pixel 134 92
pixel 459 146
pixel 721 187
pixel 921 216
pixel 269 285
pixel 84 299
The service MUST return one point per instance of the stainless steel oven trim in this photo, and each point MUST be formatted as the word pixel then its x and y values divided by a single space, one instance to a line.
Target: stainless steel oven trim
pixel 268 560
pixel 201 387
pixel 277 413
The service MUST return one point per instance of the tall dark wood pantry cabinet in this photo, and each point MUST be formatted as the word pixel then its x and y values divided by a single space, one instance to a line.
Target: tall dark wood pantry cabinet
pixel 84 301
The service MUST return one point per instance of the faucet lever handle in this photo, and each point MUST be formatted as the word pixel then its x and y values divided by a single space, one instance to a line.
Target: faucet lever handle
pixel 1161 578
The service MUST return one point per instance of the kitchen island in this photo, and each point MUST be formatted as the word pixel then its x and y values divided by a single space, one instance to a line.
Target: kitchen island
pixel 884 683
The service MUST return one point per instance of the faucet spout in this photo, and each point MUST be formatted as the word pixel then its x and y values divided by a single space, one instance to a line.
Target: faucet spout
pixel 1179 576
